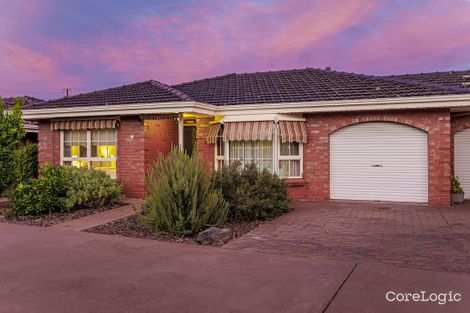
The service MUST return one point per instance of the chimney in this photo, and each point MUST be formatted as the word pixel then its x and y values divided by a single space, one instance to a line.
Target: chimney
pixel 328 68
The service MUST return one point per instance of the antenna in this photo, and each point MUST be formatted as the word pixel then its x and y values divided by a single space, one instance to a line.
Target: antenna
pixel 67 91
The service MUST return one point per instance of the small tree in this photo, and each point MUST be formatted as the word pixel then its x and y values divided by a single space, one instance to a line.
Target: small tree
pixel 181 195
pixel 11 134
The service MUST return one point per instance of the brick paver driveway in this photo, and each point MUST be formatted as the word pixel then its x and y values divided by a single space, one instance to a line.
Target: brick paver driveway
pixel 411 236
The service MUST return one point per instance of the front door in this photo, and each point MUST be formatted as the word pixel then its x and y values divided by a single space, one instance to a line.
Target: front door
pixel 189 140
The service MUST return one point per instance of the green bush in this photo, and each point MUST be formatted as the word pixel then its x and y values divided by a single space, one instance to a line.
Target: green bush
pixel 26 162
pixel 181 196
pixel 90 189
pixel 43 195
pixel 252 194
pixel 60 189
pixel 11 134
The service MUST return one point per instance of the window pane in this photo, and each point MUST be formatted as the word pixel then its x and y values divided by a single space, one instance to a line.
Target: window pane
pixel 112 151
pixel 83 150
pixel 289 148
pixel 95 135
pixel 294 168
pixel 111 136
pixel 75 150
pixel 106 166
pixel 260 152
pixel 284 168
pixel 82 135
pixel 67 150
pixel 67 136
pixel 67 163
pixel 80 164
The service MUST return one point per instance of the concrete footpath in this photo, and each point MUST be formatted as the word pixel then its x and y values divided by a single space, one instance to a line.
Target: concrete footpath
pixel 54 270
pixel 104 217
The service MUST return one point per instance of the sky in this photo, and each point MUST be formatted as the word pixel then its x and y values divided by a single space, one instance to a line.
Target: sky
pixel 87 45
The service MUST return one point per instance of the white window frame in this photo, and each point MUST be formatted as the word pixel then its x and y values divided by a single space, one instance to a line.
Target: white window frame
pixel 88 158
pixel 276 140
pixel 219 157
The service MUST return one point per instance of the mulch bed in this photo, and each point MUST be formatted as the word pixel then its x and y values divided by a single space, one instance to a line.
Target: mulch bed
pixel 132 227
pixel 55 218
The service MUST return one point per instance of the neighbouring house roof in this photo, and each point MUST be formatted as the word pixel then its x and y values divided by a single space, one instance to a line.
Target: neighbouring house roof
pixel 305 85
pixel 150 91
pixel 28 101
pixel 460 79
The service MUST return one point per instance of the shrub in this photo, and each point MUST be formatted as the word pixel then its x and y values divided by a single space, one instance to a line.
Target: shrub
pixel 61 189
pixel 26 162
pixel 455 185
pixel 42 195
pixel 252 194
pixel 11 134
pixel 181 196
pixel 90 189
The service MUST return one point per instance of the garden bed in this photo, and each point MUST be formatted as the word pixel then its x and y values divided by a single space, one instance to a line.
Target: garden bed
pixel 132 227
pixel 54 219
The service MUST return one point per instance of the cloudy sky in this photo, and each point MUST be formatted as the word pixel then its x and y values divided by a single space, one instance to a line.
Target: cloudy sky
pixel 47 45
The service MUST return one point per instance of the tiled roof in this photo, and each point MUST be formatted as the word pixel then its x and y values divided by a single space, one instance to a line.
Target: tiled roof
pixel 27 101
pixel 459 79
pixel 144 92
pixel 304 85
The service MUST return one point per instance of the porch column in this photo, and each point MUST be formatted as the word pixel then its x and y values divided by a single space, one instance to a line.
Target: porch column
pixel 180 131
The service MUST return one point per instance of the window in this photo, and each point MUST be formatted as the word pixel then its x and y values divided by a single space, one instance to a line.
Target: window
pixel 92 149
pixel 260 152
pixel 219 150
pixel 290 159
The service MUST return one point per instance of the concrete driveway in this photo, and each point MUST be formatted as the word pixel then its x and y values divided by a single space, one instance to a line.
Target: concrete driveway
pixel 409 236
pixel 54 270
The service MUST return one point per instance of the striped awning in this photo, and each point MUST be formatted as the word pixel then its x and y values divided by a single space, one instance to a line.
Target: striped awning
pixel 293 131
pixel 212 134
pixel 240 131
pixel 84 124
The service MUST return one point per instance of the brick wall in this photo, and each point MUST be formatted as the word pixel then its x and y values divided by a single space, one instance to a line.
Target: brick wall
pixel 435 123
pixel 131 156
pixel 160 137
pixel 48 144
pixel 206 151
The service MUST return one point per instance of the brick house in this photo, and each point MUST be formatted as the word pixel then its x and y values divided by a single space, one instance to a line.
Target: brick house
pixel 332 135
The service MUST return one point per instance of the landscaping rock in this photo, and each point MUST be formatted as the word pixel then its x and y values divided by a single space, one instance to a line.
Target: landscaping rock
pixel 214 236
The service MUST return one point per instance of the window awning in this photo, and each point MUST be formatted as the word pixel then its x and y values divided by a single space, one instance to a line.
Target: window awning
pixel 239 131
pixel 84 124
pixel 212 134
pixel 293 131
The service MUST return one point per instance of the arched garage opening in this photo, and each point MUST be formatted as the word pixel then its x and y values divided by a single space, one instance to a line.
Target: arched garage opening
pixel 379 161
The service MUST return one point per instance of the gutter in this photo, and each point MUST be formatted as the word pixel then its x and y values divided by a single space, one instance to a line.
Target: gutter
pixel 453 101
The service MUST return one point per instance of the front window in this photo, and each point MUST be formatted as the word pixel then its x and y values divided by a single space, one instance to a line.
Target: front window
pixel 219 150
pixel 290 159
pixel 92 149
pixel 260 152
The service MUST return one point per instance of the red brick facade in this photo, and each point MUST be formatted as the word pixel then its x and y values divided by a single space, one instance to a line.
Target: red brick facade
pixel 48 144
pixel 131 156
pixel 206 151
pixel 140 143
pixel 160 137
pixel 435 123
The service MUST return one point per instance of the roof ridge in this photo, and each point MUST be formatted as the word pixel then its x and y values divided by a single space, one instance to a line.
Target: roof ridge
pixel 428 73
pixel 423 84
pixel 172 90
pixel 249 73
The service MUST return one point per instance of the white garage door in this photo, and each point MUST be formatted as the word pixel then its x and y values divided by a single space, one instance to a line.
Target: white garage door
pixel 379 161
pixel 462 159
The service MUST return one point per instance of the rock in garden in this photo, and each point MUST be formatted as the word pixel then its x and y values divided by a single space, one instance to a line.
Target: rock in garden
pixel 214 236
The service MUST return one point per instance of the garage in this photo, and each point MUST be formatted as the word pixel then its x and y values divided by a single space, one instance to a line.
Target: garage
pixel 379 161
pixel 462 158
